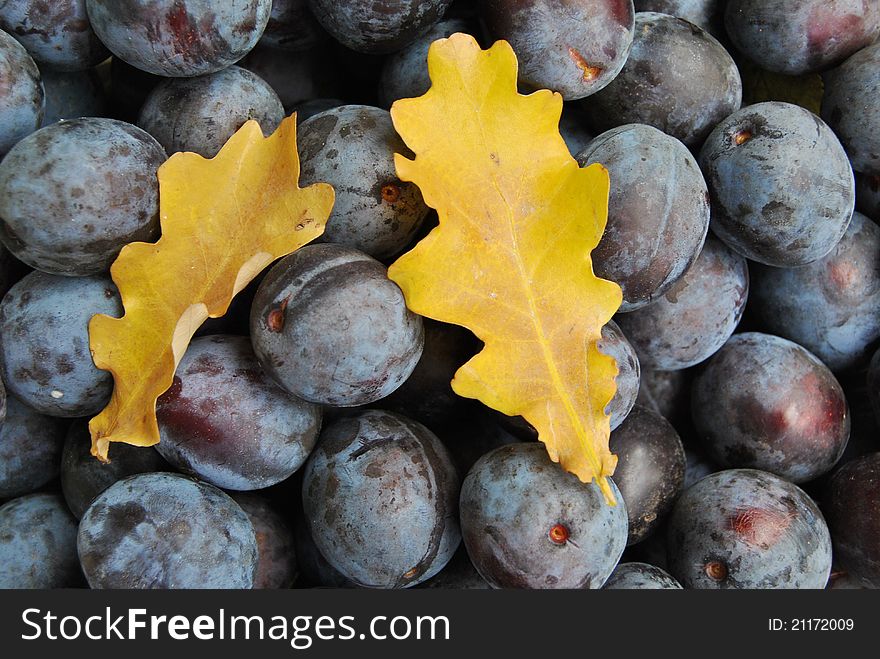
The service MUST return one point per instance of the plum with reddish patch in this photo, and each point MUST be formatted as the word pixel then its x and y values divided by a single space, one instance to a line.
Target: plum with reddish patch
pixel 179 38
pixel 226 421
pixel 831 306
pixel 743 528
pixel 379 495
pixel 767 403
pixel 575 48
pixel 804 36
pixel 527 523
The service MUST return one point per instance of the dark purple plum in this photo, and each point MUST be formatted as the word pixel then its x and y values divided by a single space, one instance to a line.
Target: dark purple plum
pixel 640 576
pixel 459 574
pixel 22 101
pixel 179 38
pixel 276 563
pixel 292 27
pixel 352 147
pixel 868 195
pixel 832 306
pixel 695 317
pixel 57 34
pixel 377 26
pixel 330 327
pixel 38 544
pixel 314 570
pixel 73 193
pixel 186 114
pixel 767 403
pixel 853 509
pixel 677 78
pixel 658 211
pixel 650 469
pixel 744 528
pixel 30 449
pixel 801 36
pixel 575 48
pixel 297 77
pixel 380 497
pixel 405 73
pixel 782 187
pixel 527 523
pixel 45 358
pixel 84 477
pixel 227 422
pixel 427 396
pixel 849 109
pixel 707 14
pixel 70 95
pixel 166 531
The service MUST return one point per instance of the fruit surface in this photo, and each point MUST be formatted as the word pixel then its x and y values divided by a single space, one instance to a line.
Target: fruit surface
pixel 21 98
pixel 30 449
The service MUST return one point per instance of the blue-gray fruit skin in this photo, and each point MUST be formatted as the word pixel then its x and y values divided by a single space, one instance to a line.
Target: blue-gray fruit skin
pixel 803 36
pixel 405 73
pixel 574 48
pixel 459 574
pixel 56 34
pixel 707 14
pixel 377 26
pixel 699 465
pixel 165 530
pixel 45 358
pixel 276 564
pixel 308 109
pixel 695 317
pixel 184 114
pixel 767 403
pixel 292 27
pixel 849 108
pixel 782 187
pixel 868 195
pixel 330 327
pixel 831 306
pixel 84 477
pixel 677 78
pixel 224 420
pixel 38 544
pixel 527 523
pixel 22 100
pixel 70 95
pixel 650 469
pixel 744 528
pixel 658 211
pixel 73 193
pixel 668 393
pixel 852 505
pixel 174 38
pixel 30 449
pixel 352 147
pixel 299 77
pixel 640 576
pixel 380 497
pixel 314 570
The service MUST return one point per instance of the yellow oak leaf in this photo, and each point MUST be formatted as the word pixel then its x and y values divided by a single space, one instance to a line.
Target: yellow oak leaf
pixel 223 221
pixel 510 258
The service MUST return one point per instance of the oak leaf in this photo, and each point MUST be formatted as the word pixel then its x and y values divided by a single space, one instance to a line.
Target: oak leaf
pixel 510 258
pixel 223 221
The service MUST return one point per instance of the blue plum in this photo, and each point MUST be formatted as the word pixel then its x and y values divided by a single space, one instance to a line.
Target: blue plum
pixel 782 188
pixel 52 369
pixel 184 114
pixel 707 14
pixel 658 211
pixel 226 421
pixel 831 306
pixel 38 544
pixel 179 38
pixel 527 523
pixel 70 95
pixel 743 528
pixel 380 497
pixel 73 193
pixel 292 27
pixel 298 77
pixel 30 449
pixel 22 100
pixel 640 576
pixel 164 530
